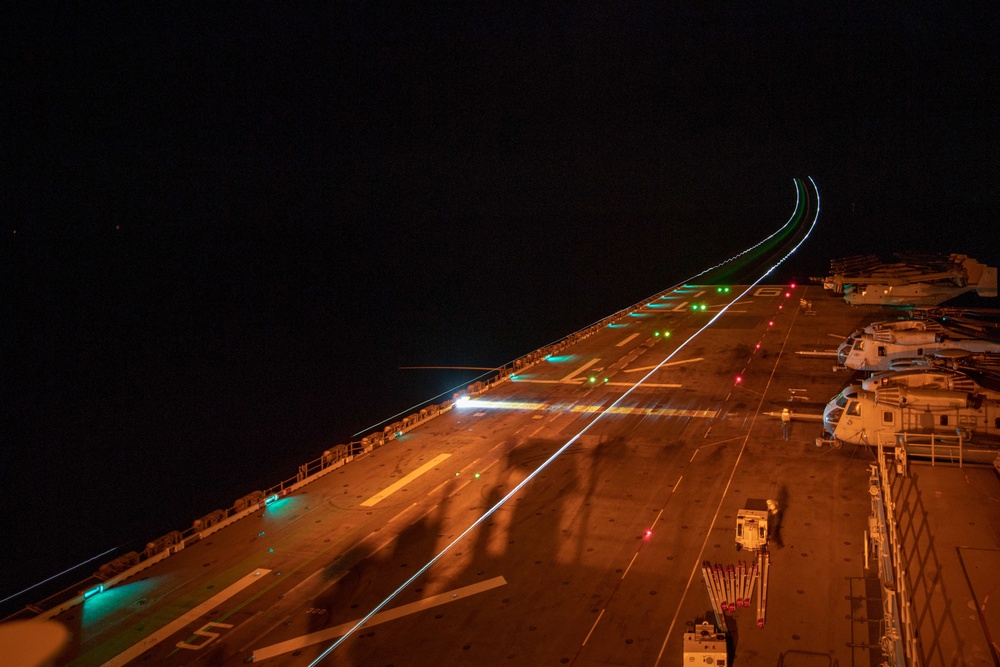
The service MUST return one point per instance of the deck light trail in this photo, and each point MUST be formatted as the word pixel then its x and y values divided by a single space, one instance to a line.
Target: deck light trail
pixel 670 630
pixel 459 387
pixel 55 576
pixel 576 437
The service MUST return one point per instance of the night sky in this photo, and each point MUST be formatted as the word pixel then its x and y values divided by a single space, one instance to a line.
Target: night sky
pixel 223 232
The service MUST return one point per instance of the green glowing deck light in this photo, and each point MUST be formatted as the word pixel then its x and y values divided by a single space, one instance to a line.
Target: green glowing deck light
pixel 703 306
pixel 656 334
pixel 605 379
pixel 666 334
pixel 99 588
pixel 478 475
pixel 593 379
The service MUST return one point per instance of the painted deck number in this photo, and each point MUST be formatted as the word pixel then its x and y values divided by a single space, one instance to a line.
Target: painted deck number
pixel 768 291
pixel 316 610
pixel 203 632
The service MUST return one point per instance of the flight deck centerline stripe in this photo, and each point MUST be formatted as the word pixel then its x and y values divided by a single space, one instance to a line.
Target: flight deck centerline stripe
pixel 579 370
pixel 627 340
pixel 383 617
pixel 569 443
pixel 178 624
pixel 679 605
pixel 393 488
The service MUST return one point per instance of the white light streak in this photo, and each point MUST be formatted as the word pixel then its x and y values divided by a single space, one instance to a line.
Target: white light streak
pixel 56 576
pixel 458 387
pixel 586 428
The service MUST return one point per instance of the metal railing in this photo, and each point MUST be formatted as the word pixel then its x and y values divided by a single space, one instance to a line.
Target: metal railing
pixel 131 563
pixel 899 643
pixel 937 448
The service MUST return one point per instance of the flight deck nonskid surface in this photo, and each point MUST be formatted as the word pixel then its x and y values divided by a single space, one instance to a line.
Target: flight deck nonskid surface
pixel 564 571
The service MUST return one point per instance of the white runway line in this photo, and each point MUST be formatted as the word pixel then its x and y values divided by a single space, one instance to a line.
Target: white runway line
pixel 383 617
pixel 152 640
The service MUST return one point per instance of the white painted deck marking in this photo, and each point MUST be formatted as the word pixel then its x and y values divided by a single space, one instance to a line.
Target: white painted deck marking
pixel 593 627
pixel 332 633
pixel 393 488
pixel 579 370
pixel 669 363
pixel 177 624
pixel 627 340
pixel 681 306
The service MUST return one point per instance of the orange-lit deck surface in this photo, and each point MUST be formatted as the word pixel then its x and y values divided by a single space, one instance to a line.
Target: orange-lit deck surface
pixel 564 573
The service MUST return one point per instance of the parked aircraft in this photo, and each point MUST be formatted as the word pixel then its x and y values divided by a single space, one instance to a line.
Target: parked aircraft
pixel 877 351
pixel 930 377
pixel 883 329
pixel 918 279
pixel 870 417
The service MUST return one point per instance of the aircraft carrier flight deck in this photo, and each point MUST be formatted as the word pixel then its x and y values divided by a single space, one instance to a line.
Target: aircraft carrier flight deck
pixel 563 515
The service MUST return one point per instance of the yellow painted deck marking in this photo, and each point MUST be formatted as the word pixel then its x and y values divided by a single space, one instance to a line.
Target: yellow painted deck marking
pixel 651 412
pixel 626 340
pixel 393 488
pixel 618 410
